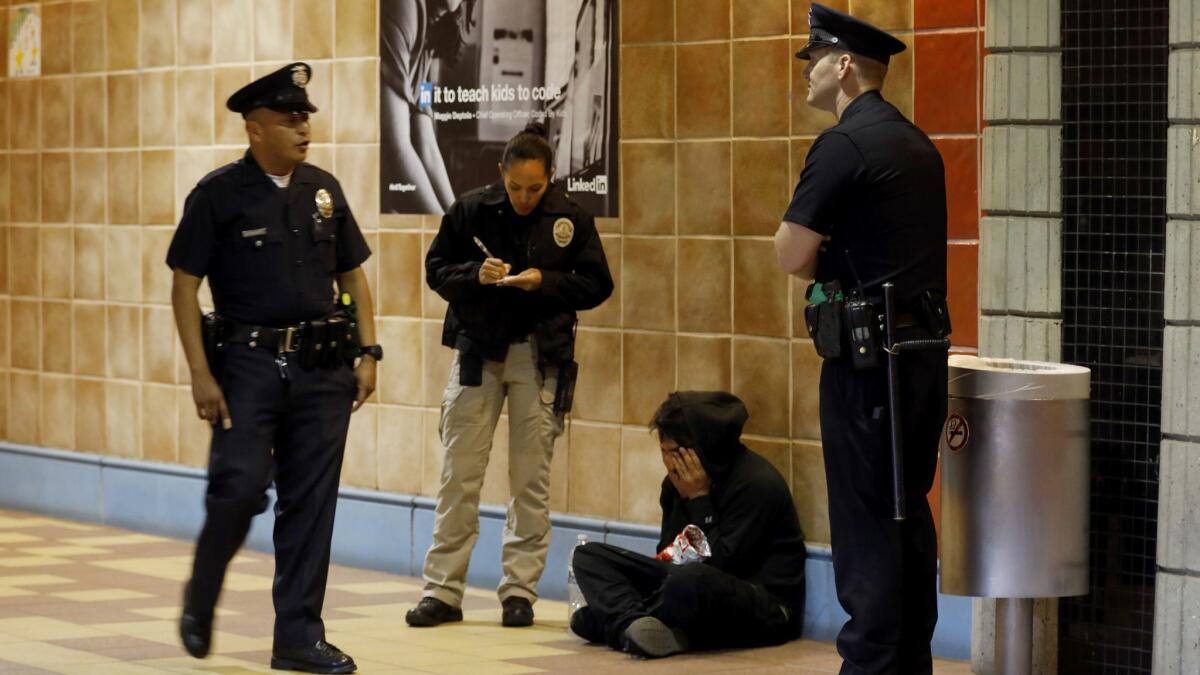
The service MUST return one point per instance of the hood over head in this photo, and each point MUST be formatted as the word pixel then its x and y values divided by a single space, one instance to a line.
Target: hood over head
pixel 714 420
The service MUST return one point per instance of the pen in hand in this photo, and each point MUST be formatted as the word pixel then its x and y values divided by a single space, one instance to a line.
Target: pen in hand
pixel 483 248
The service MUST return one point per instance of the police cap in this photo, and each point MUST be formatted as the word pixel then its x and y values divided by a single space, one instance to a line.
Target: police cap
pixel 831 28
pixel 283 90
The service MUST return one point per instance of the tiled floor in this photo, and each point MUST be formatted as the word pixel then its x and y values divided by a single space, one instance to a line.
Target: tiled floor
pixel 87 599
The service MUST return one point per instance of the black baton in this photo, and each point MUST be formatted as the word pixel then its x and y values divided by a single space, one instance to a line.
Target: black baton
pixel 899 506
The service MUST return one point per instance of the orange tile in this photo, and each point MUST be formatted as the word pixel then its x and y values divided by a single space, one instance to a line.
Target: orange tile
pixel 889 15
pixel 898 87
pixel 756 18
pixel 761 109
pixel 648 87
pixel 944 13
pixel 56 337
pixel 27 349
pixel 945 83
pixel 56 187
pixel 760 290
pixel 647 285
pixel 58 413
pixel 705 363
pixel 26 129
pixel 806 378
pixel 56 112
pixel 703 81
pixel 649 369
pixel 761 378
pixel 25 187
pixel 122 27
pixel 58 252
pixel 24 408
pixel 24 261
pixel 649 173
pixel 800 9
pixel 962 279
pixel 56 38
pixel 703 190
pixel 123 116
pixel 87 40
pixel 647 21
pixel 702 20
pixel 704 284
pixel 960 155
pixel 402 271
pixel 598 390
pixel 594 478
pixel 761 187
pixel 91 322
pixel 88 113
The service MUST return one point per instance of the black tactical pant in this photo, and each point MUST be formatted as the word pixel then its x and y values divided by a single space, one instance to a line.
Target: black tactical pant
pixel 305 419
pixel 715 609
pixel 885 570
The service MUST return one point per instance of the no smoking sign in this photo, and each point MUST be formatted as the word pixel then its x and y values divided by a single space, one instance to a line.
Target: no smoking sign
pixel 957 432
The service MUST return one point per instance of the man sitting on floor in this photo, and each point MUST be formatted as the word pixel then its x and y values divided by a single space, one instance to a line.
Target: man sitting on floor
pixel 748 593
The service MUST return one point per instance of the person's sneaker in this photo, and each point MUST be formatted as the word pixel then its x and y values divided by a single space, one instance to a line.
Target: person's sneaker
pixel 650 638
pixel 518 612
pixel 321 657
pixel 585 625
pixel 432 612
pixel 195 631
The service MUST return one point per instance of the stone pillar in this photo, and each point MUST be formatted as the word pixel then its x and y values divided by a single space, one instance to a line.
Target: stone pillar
pixel 1177 585
pixel 1020 236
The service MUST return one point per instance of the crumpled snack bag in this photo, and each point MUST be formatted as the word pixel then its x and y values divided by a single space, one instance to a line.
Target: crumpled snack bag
pixel 690 546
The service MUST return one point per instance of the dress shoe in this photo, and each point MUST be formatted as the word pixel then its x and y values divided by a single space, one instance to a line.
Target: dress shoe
pixel 321 657
pixel 196 632
pixel 650 638
pixel 432 612
pixel 518 612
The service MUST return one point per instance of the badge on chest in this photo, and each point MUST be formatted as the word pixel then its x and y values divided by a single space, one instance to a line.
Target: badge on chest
pixel 564 232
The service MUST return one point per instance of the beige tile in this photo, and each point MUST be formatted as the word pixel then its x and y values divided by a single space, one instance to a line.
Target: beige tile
pixel 432 304
pixel 195 123
pixel 194 433
pixel 355 24
pixel 800 11
pixel 704 284
pixel 91 417
pixel 123 413
pixel 355 86
pixel 760 186
pixel 431 459
pixel 5 398
pixel 57 249
pixel 5 327
pixel 806 381
pixel 56 337
pixel 642 474
pixel 360 462
pixel 3 259
pixel 89 112
pixel 594 483
pixel 58 412
pixel 777 452
pixel 898 85
pixel 156 276
pixel 123 111
pixel 757 18
pixel 158 346
pixel 760 290
pixel 158 187
pixel 87 37
pixel 157 100
pixel 89 338
pixel 705 363
pixel 88 281
pixel 195 32
pixel 124 341
pixel 437 363
pixel 890 16
pixel 25 181
pixel 648 370
pixel 273 30
pixel 320 92
pixel 25 408
pixel 56 187
pixel 647 284
pixel 158 33
pixel 124 187
pixel 762 110
pixel 400 448
pixel 26 123
pixel 648 20
pixel 809 491
pixel 123 26
pixel 702 20
pixel 24 261
pixel 702 90
pixel 123 276
pixel 4 116
pixel 56 112
pixel 232 24
pixel 358 173
pixel 402 271
pixel 704 169
pixel 89 182
pixel 56 38
pixel 649 186
pixel 229 127
pixel 598 389
pixel 760 378
pixel 608 314
pixel 399 376
pixel 312 26
pixel 647 73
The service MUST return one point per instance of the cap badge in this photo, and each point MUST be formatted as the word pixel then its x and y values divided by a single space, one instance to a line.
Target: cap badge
pixel 324 203
pixel 564 232
pixel 834 40
pixel 299 76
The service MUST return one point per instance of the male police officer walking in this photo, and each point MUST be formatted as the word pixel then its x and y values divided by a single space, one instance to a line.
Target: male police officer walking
pixel 272 234
pixel 870 208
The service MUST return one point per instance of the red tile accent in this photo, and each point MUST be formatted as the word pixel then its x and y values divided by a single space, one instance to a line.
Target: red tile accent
pixel 961 157
pixel 946 82
pixel 962 281
pixel 944 14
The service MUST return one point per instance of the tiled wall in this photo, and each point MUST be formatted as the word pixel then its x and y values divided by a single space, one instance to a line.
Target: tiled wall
pixel 97 155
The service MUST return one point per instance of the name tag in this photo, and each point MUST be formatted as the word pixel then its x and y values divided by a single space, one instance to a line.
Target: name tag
pixel 246 234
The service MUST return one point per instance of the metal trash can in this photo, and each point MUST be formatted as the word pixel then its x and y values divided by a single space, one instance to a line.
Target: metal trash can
pixel 1015 488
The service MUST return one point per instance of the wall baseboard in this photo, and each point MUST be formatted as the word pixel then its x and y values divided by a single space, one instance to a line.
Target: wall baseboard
pixel 374 530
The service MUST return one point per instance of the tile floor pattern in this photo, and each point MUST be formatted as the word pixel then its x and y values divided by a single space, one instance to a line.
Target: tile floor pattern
pixel 88 599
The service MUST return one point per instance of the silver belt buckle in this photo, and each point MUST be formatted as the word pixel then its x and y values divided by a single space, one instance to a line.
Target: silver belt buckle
pixel 288 345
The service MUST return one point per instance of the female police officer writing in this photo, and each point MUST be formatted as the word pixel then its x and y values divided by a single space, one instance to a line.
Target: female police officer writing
pixel 516 260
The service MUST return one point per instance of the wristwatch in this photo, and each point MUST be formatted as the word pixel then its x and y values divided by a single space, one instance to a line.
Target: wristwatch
pixel 373 351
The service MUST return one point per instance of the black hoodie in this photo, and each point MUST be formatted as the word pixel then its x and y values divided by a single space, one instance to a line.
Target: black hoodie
pixel 748 514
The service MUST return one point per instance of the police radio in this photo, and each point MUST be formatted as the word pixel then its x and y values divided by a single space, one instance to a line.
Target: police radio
pixel 862 326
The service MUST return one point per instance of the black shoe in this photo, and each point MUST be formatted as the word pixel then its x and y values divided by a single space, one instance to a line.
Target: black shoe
pixel 518 612
pixel 432 612
pixel 321 657
pixel 650 638
pixel 585 625
pixel 196 632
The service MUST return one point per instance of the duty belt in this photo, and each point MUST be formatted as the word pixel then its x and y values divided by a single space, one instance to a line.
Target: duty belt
pixel 286 340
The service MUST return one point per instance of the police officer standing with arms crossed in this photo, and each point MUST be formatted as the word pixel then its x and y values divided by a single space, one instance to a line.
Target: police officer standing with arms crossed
pixel 273 234
pixel 870 208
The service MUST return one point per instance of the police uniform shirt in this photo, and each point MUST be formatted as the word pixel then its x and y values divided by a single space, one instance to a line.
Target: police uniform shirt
pixel 875 184
pixel 270 253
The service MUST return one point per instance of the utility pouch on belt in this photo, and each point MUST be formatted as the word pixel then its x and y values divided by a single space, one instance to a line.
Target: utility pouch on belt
pixel 314 351
pixel 823 317
pixel 564 393
pixel 935 313
pixel 214 332
pixel 865 336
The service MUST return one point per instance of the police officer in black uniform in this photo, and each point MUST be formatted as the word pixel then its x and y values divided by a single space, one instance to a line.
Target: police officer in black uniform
pixel 870 208
pixel 273 234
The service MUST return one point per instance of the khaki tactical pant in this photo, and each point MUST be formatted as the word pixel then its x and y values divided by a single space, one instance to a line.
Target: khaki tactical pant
pixel 469 416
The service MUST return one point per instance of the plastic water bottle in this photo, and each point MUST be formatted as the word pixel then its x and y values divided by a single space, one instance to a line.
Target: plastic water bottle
pixel 574 594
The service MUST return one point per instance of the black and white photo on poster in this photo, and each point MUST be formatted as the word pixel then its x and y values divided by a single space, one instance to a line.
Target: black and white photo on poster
pixel 459 78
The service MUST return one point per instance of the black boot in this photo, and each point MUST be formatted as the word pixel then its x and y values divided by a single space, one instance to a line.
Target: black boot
pixel 432 612
pixel 321 657
pixel 518 612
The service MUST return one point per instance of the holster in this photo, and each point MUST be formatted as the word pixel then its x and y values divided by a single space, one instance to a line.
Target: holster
pixel 823 319
pixel 564 393
pixel 935 313
pixel 214 333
